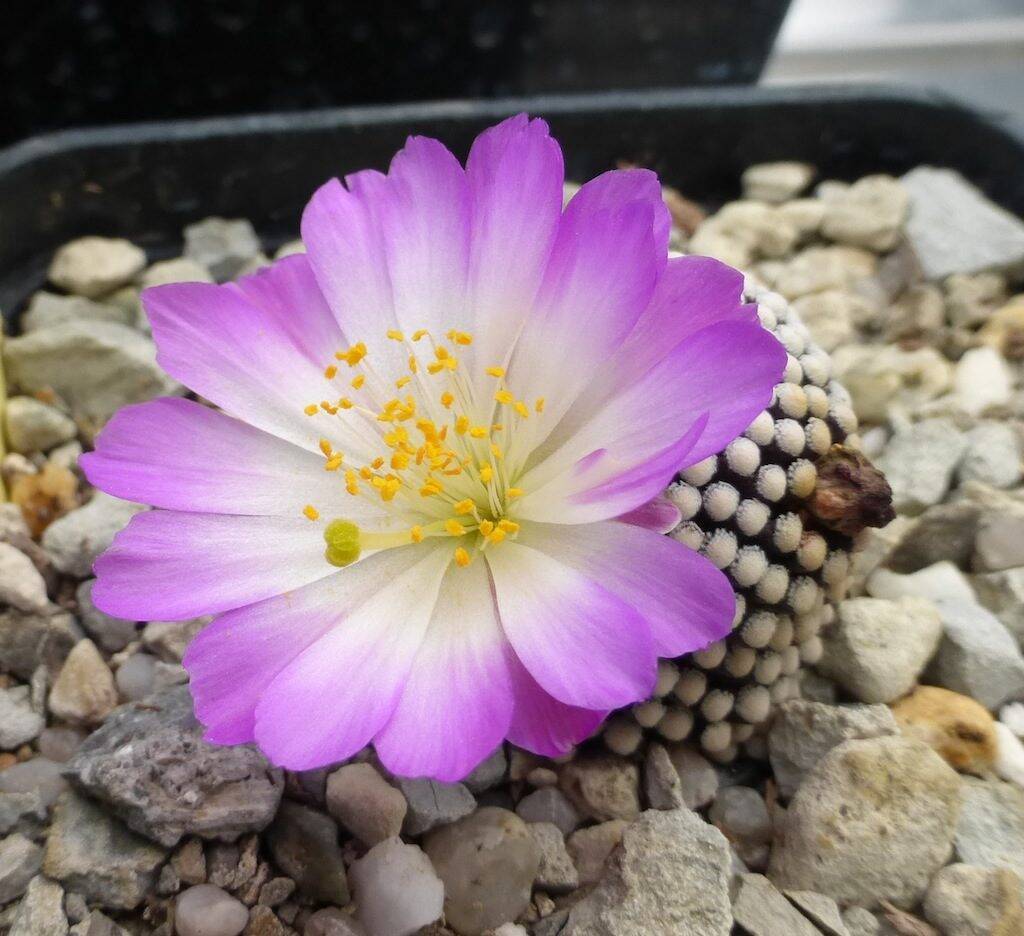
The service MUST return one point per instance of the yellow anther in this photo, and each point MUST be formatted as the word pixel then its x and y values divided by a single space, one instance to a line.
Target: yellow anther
pixel 504 396
pixel 395 335
pixel 312 409
pixel 496 451
pixel 400 460
pixel 509 526
pixel 447 398
pixel 539 405
pixel 435 367
pixel 414 365
pixel 464 506
pixel 496 536
pixel 378 463
pixel 333 463
pixel 365 473
pixel 345 403
pixel 486 473
pixel 462 424
pixel 326 448
pixel 353 355
pixel 460 338
pixel 496 371
pixel 520 408
pixel 513 493
pixel 403 381
pixel 454 528
pixel 343 547
pixel 358 381
pixel 462 557
pixel 478 432
pixel 328 407
pixel 417 335
pixel 416 533
pixel 486 526
pixel 330 372
pixel 311 512
pixel 497 427
pixel 391 487
pixel 442 353
pixel 351 482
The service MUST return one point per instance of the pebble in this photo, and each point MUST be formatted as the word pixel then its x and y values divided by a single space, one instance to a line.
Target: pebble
pixel 289 248
pixel 964 900
pixel 334 922
pixel 20 860
pixel 264 922
pixel 397 890
pixel 662 787
pixel 670 876
pixel 803 732
pixel 918 313
pixel 602 788
pixel 831 316
pixel 1009 763
pixel 431 803
pixel 488 862
pixel 876 649
pixel 92 854
pixel 175 270
pixel 95 266
pixel 110 633
pixel 990 831
pixel 1005 328
pixel 19 722
pixel 919 463
pixel 982 381
pixel 943 533
pixel 862 922
pixel 870 213
pixel 135 677
pixel 365 803
pixel 977 655
pixel 860 793
pixel 1003 594
pixel 276 891
pixel 46 310
pixel 221 246
pixel 590 848
pixel 41 911
pixel 805 214
pixel 205 910
pixel 75 541
pixel 38 775
pixel 822 911
pixel 740 813
pixel 304 845
pixel 957 728
pixel 114 365
pixel 746 229
pixel 556 873
pixel 891 379
pixel 549 804
pixel 816 269
pixel 488 773
pixel 972 299
pixel 23 813
pixel 96 924
pixel 84 692
pixel 169 640
pixel 954 228
pixel 937 582
pixel 762 911
pixel 213 791
pixel 33 426
pixel 776 181
pixel 21 584
pixel 697 778
pixel 1000 541
pixel 189 862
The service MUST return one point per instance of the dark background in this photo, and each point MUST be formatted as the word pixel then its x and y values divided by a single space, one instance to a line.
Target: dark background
pixel 66 63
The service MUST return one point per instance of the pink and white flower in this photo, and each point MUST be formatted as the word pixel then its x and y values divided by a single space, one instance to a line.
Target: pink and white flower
pixel 473 396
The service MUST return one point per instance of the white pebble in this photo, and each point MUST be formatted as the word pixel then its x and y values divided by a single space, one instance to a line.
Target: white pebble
pixel 205 910
pixel 396 888
pixel 1009 755
pixel 1012 715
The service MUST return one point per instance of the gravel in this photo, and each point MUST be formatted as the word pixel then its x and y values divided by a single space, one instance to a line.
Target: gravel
pixel 397 890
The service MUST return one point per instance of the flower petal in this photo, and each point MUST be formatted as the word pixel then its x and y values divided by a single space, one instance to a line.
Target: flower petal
pixel 683 598
pixel 257 349
pixel 178 454
pixel 456 706
pixel 583 644
pixel 233 660
pixel 542 724
pixel 169 566
pixel 329 701
pixel 659 516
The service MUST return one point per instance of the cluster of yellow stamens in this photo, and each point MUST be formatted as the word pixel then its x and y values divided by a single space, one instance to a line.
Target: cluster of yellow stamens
pixel 444 456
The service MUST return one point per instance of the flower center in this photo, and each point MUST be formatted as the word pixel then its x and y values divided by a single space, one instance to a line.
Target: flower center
pixel 443 463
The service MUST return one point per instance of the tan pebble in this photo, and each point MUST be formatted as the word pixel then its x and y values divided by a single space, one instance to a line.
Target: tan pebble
pixel 959 729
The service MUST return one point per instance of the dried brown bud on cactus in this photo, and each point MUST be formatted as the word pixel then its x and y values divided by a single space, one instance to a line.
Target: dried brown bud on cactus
pixel 851 493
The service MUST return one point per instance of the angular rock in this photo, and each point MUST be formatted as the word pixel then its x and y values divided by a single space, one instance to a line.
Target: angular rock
pixel 698 779
pixel 94 266
pixel 830 316
pixel 1000 541
pixel 990 830
pixel 397 890
pixel 205 910
pixel 944 533
pixel 741 815
pixel 876 649
pixel 110 633
pixel 20 860
pixel 776 181
pixel 488 862
pixel 175 270
pixel 19 722
pixel 556 874
pixel 549 804
pixel 41 911
pixel 762 911
pixel 861 922
pixel 993 455
pixel 803 732
pixel 83 692
pixel 76 540
pixel 114 365
pixel 982 381
pixel 977 656
pixel 589 848
pixel 862 792
pixel 431 803
pixel 869 213
pixel 1003 594
pixel 891 379
pixel 919 462
pixel 221 245
pixel 602 787
pixel 487 773
pixel 942 580
pixel 958 729
pixel 47 309
pixel 23 813
pixel 816 269
pixel 169 640
pixel 662 787
pixel 92 854
pixel 822 911
pixel 365 803
pixel 305 846
pixel 334 922
pixel 30 640
pixel 136 677
pixel 97 924
pixel 39 776
pixel 150 764
pixel 964 900
pixel 32 426
pixel 954 228
pixel 670 875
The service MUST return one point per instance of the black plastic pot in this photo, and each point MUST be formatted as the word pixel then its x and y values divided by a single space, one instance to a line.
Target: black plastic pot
pixel 145 182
